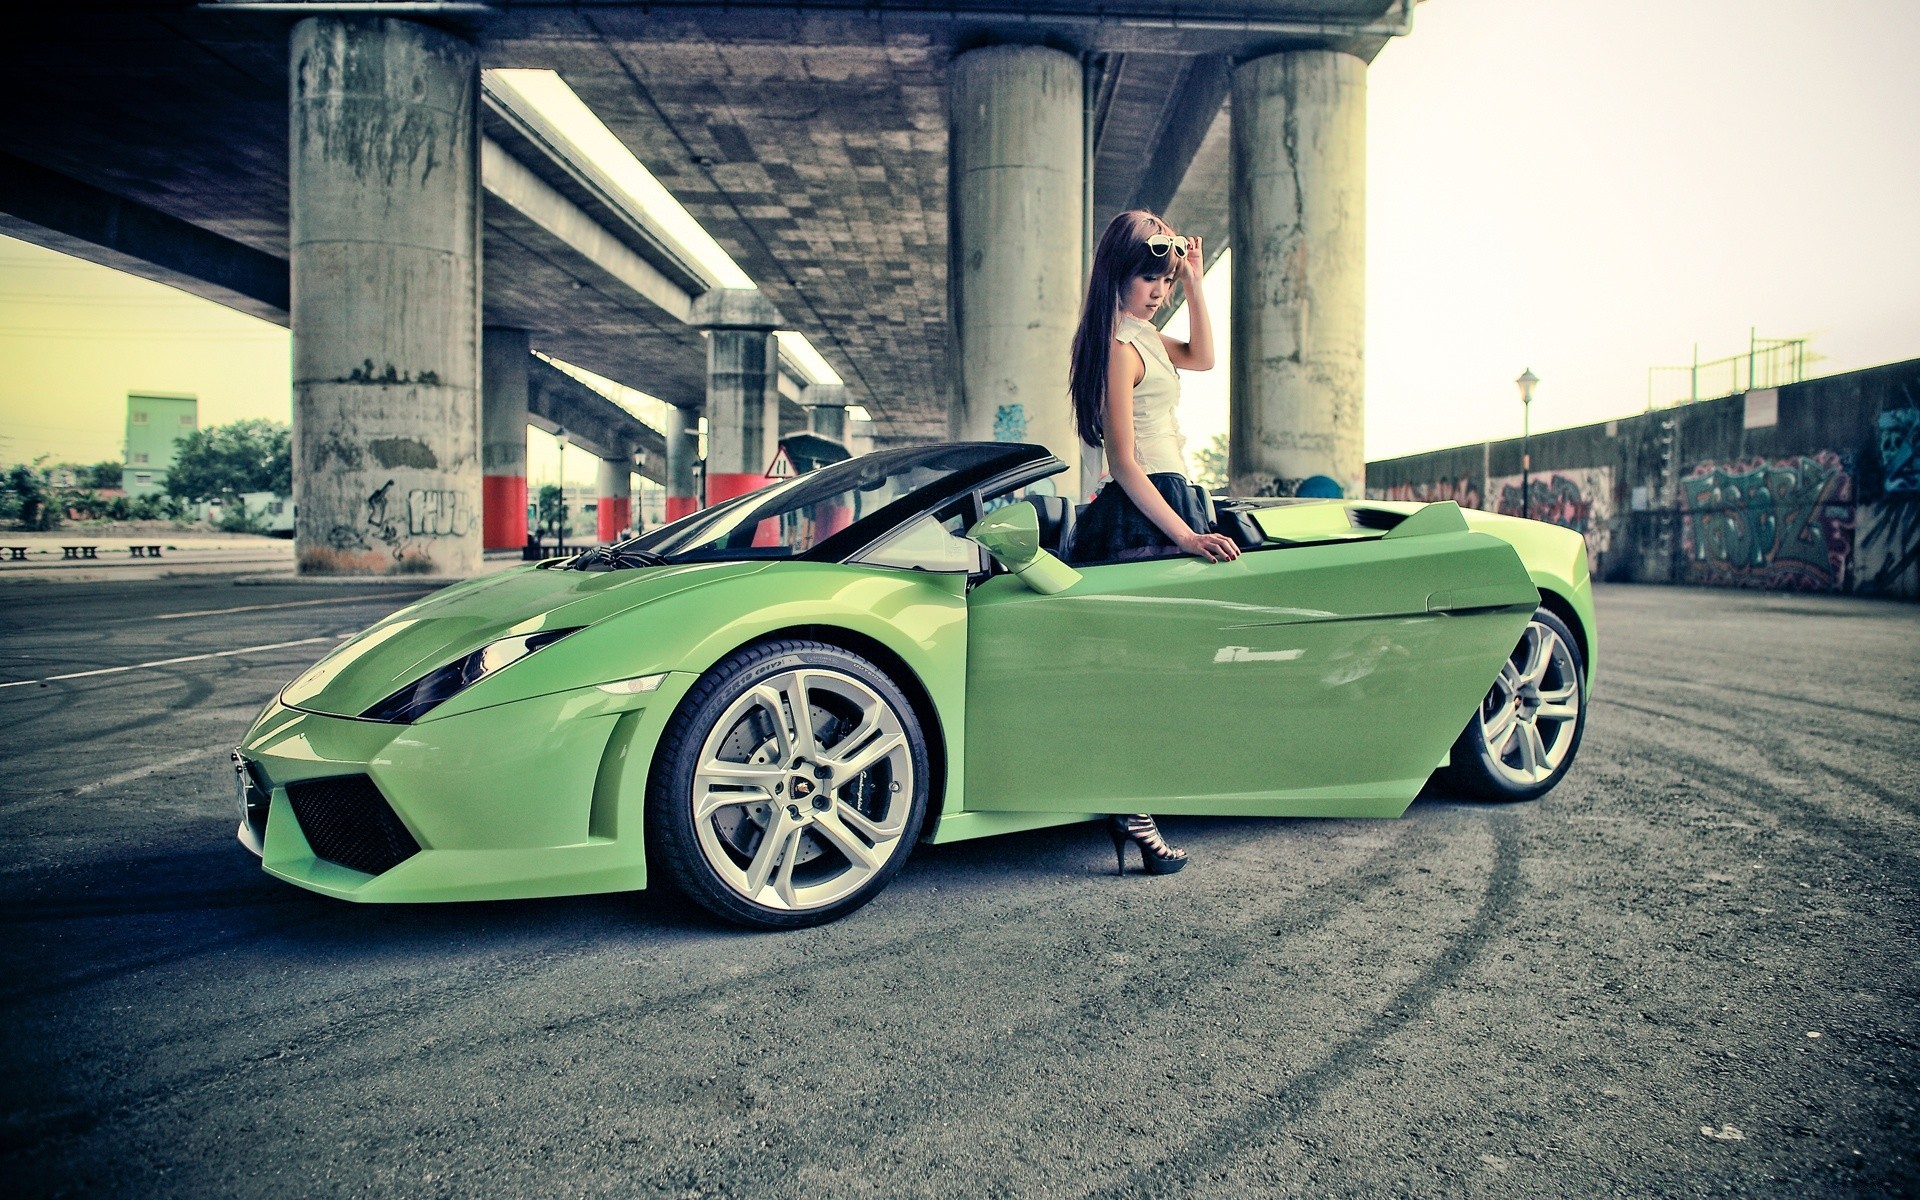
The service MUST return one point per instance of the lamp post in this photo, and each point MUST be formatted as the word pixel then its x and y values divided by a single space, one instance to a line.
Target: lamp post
pixel 1526 381
pixel 560 534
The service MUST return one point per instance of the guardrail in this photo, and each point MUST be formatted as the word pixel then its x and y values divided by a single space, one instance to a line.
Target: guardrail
pixel 1768 362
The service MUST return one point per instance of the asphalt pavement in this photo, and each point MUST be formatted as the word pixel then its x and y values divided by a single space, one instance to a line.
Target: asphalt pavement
pixel 1689 971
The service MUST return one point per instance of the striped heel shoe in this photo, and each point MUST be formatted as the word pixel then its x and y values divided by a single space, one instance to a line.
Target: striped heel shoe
pixel 1155 855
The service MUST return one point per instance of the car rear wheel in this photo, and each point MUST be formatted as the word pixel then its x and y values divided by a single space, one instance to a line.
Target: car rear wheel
pixel 790 787
pixel 1525 735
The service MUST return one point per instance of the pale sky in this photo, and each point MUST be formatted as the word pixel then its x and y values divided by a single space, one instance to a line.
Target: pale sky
pixel 1583 189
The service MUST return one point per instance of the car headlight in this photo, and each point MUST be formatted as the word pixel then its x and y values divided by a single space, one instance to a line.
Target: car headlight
pixel 413 701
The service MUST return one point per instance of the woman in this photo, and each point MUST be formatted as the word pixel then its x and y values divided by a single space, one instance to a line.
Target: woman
pixel 1125 392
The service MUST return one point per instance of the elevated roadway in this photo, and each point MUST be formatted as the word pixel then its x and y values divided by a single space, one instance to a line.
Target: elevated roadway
pixel 911 188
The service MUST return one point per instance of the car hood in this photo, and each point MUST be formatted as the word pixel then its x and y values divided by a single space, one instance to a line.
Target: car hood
pixel 451 624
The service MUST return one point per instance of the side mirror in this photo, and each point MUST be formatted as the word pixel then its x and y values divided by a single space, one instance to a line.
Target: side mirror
pixel 1012 535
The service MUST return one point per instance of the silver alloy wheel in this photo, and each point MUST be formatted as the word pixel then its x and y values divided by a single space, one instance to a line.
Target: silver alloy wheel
pixel 1529 719
pixel 803 789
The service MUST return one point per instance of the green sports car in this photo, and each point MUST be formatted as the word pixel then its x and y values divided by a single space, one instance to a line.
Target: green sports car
pixel 772 700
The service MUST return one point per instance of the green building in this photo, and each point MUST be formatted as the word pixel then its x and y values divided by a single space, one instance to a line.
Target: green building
pixel 154 421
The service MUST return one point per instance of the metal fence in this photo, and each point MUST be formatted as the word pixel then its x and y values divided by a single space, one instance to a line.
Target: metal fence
pixel 1768 362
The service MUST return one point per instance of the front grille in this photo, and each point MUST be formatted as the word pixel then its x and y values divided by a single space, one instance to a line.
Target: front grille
pixel 347 821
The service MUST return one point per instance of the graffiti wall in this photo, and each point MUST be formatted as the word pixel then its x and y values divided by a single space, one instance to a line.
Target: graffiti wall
pixel 1580 499
pixel 1784 524
pixel 1814 486
pixel 1889 515
pixel 1461 491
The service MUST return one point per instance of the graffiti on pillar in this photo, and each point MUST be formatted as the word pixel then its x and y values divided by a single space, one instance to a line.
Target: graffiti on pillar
pixel 435 513
pixel 1784 524
pixel 330 447
pixel 1010 423
pixel 345 537
pixel 385 528
pixel 403 452
pixel 367 373
pixel 395 523
pixel 1889 512
pixel 1578 498
pixel 1461 491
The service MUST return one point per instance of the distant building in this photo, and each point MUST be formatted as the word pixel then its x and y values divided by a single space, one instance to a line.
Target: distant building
pixel 272 514
pixel 155 420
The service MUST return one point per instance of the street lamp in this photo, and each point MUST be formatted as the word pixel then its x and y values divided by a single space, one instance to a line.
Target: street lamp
pixel 1526 381
pixel 560 534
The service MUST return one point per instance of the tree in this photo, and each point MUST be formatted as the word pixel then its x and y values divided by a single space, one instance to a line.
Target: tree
pixel 100 475
pixel 228 460
pixel 553 508
pixel 1210 465
pixel 27 488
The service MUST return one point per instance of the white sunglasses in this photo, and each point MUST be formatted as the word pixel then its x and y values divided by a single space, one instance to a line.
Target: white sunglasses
pixel 1162 243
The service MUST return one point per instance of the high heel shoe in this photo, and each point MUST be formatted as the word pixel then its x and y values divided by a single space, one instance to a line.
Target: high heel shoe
pixel 1155 855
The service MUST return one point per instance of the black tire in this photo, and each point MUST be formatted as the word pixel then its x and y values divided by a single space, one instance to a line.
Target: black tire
pixel 810 838
pixel 1504 754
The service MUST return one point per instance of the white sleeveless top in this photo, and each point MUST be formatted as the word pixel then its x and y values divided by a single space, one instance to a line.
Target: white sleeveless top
pixel 1157 442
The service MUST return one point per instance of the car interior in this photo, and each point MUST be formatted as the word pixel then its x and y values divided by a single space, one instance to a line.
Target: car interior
pixel 1057 518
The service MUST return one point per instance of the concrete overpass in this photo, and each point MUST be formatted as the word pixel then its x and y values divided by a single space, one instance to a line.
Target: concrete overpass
pixel 898 199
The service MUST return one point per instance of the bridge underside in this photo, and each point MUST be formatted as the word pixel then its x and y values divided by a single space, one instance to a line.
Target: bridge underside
pixel 811 140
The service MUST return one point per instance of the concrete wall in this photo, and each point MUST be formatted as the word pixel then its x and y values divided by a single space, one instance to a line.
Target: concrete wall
pixel 1810 487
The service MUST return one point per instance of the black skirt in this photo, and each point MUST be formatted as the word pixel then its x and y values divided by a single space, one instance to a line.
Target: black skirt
pixel 1113 529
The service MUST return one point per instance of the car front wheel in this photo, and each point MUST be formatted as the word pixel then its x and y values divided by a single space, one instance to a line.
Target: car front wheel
pixel 790 787
pixel 1525 735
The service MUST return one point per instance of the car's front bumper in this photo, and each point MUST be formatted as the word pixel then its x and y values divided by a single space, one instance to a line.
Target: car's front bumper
pixel 538 797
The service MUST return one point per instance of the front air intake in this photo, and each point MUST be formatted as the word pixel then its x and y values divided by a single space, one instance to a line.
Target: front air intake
pixel 347 821
pixel 256 795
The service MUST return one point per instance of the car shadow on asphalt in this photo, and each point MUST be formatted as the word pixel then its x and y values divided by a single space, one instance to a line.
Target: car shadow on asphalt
pixel 109 915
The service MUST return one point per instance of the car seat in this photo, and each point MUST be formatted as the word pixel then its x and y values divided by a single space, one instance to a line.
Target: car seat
pixel 1232 523
pixel 1056 524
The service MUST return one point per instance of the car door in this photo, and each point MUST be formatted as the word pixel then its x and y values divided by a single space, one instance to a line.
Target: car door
pixel 1324 679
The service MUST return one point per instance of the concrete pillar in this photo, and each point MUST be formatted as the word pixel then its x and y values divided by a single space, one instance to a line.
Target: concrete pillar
pixel 1018 172
pixel 683 451
pixel 743 388
pixel 826 405
pixel 860 437
pixel 503 438
pixel 385 241
pixel 1299 194
pixel 615 511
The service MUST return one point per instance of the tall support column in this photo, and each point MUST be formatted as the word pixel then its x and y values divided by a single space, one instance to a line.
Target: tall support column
pixel 743 387
pixel 826 405
pixel 683 451
pixel 503 437
pixel 1018 173
pixel 615 511
pixel 385 241
pixel 1299 138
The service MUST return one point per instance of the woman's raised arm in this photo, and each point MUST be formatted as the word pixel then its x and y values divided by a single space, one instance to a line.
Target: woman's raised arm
pixel 1196 353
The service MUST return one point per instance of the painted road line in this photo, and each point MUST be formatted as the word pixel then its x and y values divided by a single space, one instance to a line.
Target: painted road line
pixel 185 658
pixel 221 612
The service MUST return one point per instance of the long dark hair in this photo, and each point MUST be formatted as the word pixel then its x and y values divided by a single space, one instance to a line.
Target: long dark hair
pixel 1120 258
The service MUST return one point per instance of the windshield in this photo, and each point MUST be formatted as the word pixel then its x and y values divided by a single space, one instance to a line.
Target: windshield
pixel 791 518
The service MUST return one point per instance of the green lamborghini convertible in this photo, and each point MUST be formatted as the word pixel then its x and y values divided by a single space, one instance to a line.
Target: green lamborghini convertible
pixel 770 701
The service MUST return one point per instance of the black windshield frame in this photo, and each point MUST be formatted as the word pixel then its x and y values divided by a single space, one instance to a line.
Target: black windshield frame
pixel 986 461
